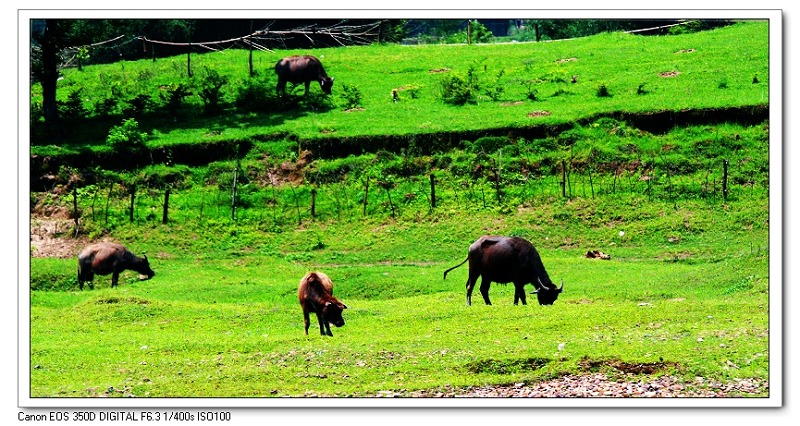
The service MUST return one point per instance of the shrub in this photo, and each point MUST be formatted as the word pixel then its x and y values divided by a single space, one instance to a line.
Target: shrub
pixel 351 96
pixel 174 96
pixel 457 89
pixel 211 90
pixel 126 137
pixel 602 91
pixel 489 144
pixel 138 105
pixel 257 93
pixel 73 110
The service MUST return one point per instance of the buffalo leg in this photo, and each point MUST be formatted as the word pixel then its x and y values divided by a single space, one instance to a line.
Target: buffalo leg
pixel 306 320
pixel 84 277
pixel 308 83
pixel 114 279
pixel 519 294
pixel 485 290
pixel 470 286
pixel 324 327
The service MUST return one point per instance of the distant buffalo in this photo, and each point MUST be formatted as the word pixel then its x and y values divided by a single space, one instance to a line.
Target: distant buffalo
pixel 110 258
pixel 315 293
pixel 302 69
pixel 508 260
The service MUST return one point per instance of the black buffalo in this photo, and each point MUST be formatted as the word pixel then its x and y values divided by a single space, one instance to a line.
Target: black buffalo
pixel 508 260
pixel 110 258
pixel 302 69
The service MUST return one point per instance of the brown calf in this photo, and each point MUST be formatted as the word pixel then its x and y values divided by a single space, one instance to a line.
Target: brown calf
pixel 315 293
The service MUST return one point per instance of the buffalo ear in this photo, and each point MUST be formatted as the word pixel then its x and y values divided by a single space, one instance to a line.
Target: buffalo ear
pixel 344 306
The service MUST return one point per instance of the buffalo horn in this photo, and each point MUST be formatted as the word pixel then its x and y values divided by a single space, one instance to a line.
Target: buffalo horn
pixel 543 286
pixel 560 289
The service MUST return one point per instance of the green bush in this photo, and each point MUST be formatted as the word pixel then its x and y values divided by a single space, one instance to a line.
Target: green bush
pixel 126 137
pixel 257 94
pixel 211 90
pixel 351 96
pixel 457 89
pixel 489 144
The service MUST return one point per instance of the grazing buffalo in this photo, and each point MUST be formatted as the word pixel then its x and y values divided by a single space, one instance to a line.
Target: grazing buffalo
pixel 302 69
pixel 508 260
pixel 316 295
pixel 110 258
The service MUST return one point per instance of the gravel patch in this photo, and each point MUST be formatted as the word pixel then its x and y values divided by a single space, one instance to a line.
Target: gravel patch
pixel 600 385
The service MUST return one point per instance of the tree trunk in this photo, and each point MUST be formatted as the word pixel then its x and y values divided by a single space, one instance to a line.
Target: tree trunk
pixel 49 77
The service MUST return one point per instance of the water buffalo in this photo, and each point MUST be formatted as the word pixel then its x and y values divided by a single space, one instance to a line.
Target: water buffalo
pixel 110 258
pixel 508 260
pixel 315 293
pixel 302 69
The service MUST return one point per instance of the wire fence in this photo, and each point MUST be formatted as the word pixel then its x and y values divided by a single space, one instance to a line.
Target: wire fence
pixel 233 198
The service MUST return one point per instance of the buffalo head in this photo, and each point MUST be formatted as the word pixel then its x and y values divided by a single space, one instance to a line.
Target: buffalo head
pixel 333 313
pixel 145 272
pixel 548 295
pixel 326 83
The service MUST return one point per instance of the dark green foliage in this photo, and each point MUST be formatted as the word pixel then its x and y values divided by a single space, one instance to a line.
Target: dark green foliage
pixel 257 93
pixel 351 96
pixel 211 90
pixel 458 89
pixel 174 95
pixel 126 137
pixel 489 144
pixel 73 110
pixel 139 105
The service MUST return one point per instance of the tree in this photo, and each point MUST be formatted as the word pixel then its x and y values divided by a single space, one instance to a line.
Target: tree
pixel 52 39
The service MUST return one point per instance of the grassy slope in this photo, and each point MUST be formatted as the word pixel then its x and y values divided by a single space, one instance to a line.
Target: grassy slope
pixel 729 56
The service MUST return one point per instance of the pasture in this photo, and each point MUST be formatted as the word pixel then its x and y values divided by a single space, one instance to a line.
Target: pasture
pixel 221 325
pixel 686 292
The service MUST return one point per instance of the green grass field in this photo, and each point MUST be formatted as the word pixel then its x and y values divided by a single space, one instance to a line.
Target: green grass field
pixel 687 287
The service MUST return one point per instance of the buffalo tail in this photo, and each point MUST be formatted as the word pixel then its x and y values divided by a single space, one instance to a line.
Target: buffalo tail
pixel 454 267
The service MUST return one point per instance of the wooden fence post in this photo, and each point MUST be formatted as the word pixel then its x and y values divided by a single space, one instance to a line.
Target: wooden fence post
pixel 108 199
pixel 366 193
pixel 725 180
pixel 133 201
pixel 233 191
pixel 75 209
pixel 563 179
pixel 433 191
pixel 164 217
pixel 313 202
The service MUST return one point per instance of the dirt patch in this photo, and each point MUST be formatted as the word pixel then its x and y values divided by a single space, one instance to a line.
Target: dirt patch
pixel 686 51
pixel 668 74
pixel 627 367
pixel 511 103
pixel 50 238
pixel 561 61
pixel 539 113
pixel 439 70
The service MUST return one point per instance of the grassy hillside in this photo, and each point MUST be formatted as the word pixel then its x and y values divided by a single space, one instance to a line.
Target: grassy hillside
pixel 518 85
